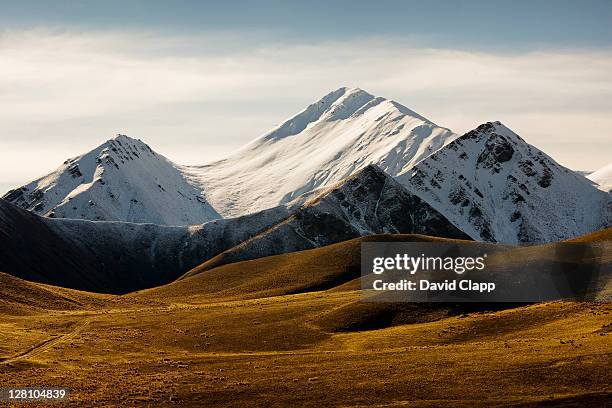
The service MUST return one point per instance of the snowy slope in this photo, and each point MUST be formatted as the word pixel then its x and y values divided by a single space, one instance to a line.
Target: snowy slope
pixel 603 177
pixel 123 180
pixel 496 187
pixel 331 139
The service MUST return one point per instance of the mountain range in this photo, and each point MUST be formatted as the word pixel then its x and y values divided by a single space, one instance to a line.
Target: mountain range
pixel 124 180
pixel 122 217
pixel 489 182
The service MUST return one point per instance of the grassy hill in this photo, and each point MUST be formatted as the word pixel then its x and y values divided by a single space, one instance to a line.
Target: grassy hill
pixel 292 330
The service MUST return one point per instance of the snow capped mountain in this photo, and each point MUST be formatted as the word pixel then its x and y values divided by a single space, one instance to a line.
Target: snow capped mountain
pixel 603 177
pixel 123 180
pixel 328 141
pixel 496 187
pixel 489 182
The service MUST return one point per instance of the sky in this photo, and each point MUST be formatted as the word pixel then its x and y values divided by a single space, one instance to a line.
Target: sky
pixel 196 80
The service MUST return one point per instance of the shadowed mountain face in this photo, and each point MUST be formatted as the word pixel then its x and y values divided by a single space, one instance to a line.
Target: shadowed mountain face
pixel 121 257
pixel 32 250
pixel 370 202
pixel 113 257
pixel 140 256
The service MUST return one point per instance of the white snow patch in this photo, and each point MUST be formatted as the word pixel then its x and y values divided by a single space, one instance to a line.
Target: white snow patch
pixel 603 177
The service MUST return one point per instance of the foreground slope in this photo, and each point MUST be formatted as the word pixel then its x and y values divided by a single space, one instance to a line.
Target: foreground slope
pixel 496 187
pixel 120 180
pixel 328 141
pixel 280 339
pixel 268 352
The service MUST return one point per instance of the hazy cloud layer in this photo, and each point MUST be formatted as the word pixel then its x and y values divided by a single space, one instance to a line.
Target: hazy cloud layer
pixel 197 98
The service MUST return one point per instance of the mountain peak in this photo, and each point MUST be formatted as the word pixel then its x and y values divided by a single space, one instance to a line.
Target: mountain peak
pixel 344 103
pixel 121 138
pixel 494 126
pixel 332 139
pixel 338 104
pixel 122 179
pixel 351 93
pixel 497 187
pixel 492 132
pixel 345 91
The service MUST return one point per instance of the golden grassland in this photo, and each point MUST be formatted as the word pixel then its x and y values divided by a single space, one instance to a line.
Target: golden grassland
pixel 291 330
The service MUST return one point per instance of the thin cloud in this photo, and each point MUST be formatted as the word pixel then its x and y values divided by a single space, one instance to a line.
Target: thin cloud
pixel 197 98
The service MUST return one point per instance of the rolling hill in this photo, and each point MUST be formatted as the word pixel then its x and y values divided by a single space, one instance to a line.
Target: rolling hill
pixel 22 297
pixel 293 330
pixel 338 267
